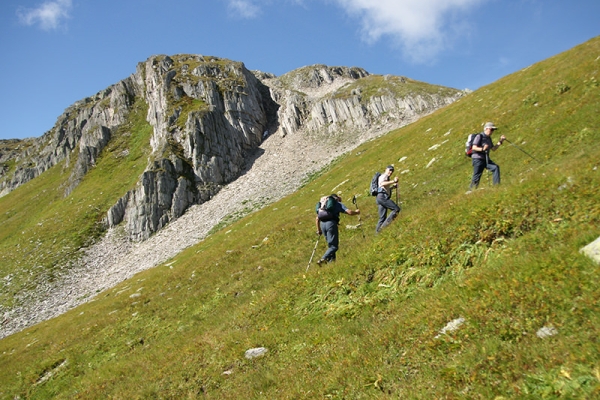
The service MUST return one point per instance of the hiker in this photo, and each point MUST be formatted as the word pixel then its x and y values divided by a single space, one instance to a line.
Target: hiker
pixel 328 226
pixel 482 144
pixel 384 200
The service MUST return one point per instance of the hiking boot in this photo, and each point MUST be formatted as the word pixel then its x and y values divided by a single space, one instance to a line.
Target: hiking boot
pixel 321 261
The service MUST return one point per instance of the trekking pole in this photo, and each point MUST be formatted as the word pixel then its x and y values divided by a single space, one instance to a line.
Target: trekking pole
pixel 487 162
pixel 356 207
pixel 512 144
pixel 313 254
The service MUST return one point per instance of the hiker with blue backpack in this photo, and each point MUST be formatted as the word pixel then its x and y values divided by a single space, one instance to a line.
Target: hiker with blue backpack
pixel 328 217
pixel 385 185
pixel 479 151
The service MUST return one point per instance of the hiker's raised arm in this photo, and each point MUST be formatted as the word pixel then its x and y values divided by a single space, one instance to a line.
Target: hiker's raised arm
pixel 502 139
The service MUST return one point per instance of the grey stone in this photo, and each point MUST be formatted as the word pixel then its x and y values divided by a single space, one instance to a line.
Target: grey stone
pixel 592 250
pixel 546 332
pixel 256 352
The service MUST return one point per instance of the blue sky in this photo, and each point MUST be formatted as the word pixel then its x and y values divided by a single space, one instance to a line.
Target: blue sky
pixel 56 52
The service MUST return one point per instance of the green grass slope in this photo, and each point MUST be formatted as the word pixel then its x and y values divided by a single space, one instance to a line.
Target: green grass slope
pixel 503 259
pixel 42 229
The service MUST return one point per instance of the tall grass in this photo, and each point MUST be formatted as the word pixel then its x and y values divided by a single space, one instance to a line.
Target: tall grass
pixel 503 259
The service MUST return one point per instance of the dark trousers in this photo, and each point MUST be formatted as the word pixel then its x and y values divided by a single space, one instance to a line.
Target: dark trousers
pixel 331 234
pixel 385 203
pixel 479 164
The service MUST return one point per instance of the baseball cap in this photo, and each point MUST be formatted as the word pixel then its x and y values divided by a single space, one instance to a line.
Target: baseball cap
pixel 390 167
pixel 489 125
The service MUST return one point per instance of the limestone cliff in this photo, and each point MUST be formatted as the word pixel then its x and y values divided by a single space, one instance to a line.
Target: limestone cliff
pixel 347 101
pixel 208 115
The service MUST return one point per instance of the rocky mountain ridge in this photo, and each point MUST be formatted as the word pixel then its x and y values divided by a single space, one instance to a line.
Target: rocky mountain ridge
pixel 207 114
pixel 219 132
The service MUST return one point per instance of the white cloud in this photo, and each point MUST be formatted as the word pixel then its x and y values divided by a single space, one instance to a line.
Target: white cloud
pixel 422 28
pixel 243 8
pixel 49 15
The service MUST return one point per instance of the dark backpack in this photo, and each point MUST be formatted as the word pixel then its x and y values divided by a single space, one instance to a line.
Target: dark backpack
pixel 469 144
pixel 374 188
pixel 325 208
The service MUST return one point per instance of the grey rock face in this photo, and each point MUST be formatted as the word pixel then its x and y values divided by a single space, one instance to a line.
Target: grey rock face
pixel 196 149
pixel 202 148
pixel 208 115
pixel 86 124
pixel 331 100
pixel 161 195
pixel 199 143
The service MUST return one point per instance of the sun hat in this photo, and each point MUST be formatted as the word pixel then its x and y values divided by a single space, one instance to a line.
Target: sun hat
pixel 489 125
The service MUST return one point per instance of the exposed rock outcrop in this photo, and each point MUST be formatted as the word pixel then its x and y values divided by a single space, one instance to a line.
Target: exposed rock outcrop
pixel 339 100
pixel 81 131
pixel 207 116
pixel 219 132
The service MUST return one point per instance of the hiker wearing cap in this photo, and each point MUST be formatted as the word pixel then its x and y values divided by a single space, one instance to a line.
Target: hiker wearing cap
pixel 482 144
pixel 327 225
pixel 384 198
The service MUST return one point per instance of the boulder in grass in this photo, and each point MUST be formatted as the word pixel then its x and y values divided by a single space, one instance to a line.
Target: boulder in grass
pixel 256 352
pixel 592 250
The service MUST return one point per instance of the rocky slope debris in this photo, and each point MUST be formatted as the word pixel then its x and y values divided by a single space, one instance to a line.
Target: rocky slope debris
pixel 208 115
pixel 221 135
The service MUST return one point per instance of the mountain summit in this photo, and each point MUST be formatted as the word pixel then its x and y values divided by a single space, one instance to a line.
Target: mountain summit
pixel 207 116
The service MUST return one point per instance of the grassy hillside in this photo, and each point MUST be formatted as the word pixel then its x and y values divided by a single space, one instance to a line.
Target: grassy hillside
pixel 503 259
pixel 42 229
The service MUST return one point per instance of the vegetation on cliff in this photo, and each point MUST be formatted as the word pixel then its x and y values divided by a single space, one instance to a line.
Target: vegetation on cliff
pixel 42 229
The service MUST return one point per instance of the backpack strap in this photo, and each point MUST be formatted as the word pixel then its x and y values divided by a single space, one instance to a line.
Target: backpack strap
pixel 480 136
